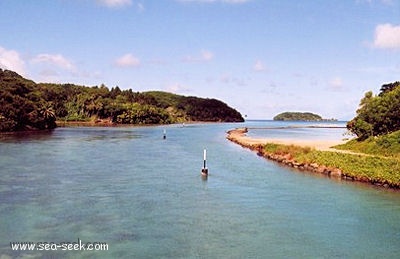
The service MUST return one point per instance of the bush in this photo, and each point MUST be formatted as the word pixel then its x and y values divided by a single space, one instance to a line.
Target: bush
pixel 377 115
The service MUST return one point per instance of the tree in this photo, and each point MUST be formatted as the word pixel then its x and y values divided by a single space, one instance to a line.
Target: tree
pixel 49 116
pixel 143 114
pixel 22 106
pixel 388 87
pixel 25 105
pixel 377 115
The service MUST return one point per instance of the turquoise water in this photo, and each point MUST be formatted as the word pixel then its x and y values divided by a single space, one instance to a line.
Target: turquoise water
pixel 145 197
pixel 334 130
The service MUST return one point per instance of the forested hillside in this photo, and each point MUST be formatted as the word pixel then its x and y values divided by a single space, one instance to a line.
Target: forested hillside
pixel 22 106
pixel 27 105
pixel 297 116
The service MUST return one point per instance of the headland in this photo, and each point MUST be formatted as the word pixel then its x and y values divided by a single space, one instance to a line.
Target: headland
pixel 320 156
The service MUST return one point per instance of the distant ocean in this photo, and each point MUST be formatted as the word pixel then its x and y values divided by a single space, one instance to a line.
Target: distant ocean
pixel 321 130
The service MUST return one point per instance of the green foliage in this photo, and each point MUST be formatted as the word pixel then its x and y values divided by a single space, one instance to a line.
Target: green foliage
pixel 22 106
pixel 377 115
pixel 25 104
pixel 164 99
pixel 198 109
pixel 386 145
pixel 297 116
pixel 125 106
pixel 361 128
pixel 373 168
pixel 388 87
pixel 143 114
pixel 194 108
pixel 286 149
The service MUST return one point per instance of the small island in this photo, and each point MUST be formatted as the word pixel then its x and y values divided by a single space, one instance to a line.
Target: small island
pixel 372 156
pixel 300 116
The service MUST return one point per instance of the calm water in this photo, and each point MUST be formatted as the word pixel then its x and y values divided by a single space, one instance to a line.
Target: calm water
pixel 144 196
pixel 322 130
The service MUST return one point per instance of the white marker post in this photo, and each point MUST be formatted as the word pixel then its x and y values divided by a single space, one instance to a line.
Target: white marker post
pixel 204 170
pixel 165 134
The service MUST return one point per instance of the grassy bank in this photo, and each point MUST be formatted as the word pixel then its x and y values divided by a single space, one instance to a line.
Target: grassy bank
pixel 367 168
pixel 386 145
pixel 375 161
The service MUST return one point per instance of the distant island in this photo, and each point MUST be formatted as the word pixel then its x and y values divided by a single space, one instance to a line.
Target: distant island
pixel 26 105
pixel 300 116
pixel 372 156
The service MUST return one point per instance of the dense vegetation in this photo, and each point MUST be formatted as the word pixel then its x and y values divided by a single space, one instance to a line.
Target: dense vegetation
pixel 297 116
pixel 374 169
pixel 27 105
pixel 378 115
pixel 377 127
pixel 22 105
pixel 374 156
pixel 195 109
pixel 385 145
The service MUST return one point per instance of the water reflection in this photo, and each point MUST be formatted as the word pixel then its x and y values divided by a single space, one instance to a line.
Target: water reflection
pixel 26 136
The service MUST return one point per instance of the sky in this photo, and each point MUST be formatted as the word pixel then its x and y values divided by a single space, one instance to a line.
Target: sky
pixel 260 57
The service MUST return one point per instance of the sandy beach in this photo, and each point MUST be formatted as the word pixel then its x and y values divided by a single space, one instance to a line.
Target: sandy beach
pixel 239 136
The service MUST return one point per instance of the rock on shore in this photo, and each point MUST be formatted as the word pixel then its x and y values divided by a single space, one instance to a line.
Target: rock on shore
pixel 239 136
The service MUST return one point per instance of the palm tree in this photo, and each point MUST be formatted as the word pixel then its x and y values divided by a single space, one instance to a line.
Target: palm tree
pixel 48 113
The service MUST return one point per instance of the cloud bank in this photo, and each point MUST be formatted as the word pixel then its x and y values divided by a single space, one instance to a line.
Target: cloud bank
pixel 11 60
pixel 54 60
pixel 387 36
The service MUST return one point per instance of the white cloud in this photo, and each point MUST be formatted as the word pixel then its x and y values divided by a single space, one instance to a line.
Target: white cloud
pixel 387 36
pixel 205 55
pixel 259 66
pixel 127 60
pixel 54 59
pixel 11 60
pixel 115 3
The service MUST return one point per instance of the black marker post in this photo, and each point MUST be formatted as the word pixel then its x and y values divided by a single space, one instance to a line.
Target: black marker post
pixel 204 170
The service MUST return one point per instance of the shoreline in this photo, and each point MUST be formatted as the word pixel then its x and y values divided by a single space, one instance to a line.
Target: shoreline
pixel 106 123
pixel 239 137
pixel 103 123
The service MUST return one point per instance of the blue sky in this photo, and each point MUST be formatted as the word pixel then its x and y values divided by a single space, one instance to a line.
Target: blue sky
pixel 260 57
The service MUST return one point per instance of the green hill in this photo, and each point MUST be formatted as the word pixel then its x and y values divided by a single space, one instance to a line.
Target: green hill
pixel 297 116
pixel 22 106
pixel 190 108
pixel 26 105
